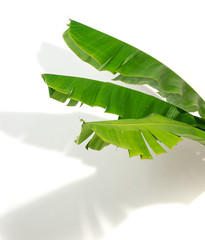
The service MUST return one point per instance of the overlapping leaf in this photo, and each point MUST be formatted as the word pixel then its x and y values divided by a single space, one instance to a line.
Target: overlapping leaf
pixel 107 53
pixel 135 134
pixel 124 102
pixel 136 129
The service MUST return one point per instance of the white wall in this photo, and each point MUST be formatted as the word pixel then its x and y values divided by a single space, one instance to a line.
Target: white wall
pixel 51 188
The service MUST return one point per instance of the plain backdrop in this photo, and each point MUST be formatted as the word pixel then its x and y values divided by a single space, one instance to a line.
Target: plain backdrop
pixel 50 188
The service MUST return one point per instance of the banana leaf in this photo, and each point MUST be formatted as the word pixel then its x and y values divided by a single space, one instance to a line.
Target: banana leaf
pixel 124 102
pixel 134 66
pixel 137 134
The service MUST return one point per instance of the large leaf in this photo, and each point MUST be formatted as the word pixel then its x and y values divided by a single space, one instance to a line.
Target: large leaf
pixel 107 53
pixel 124 102
pixel 133 134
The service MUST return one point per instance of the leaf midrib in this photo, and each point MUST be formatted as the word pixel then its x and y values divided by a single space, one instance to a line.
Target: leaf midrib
pixel 136 124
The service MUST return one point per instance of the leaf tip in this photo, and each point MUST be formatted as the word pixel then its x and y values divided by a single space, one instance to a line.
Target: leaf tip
pixel 81 120
pixel 77 140
pixel 70 20
pixel 43 76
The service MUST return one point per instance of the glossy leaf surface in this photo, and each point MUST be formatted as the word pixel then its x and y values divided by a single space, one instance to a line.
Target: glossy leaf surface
pixel 124 102
pixel 135 66
pixel 137 134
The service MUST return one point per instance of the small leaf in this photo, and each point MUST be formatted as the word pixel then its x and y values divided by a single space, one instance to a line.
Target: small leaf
pixel 131 134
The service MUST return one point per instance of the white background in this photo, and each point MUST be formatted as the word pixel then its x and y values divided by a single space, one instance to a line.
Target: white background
pixel 51 188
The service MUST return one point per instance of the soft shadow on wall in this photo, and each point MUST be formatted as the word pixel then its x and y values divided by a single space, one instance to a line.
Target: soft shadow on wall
pixel 119 183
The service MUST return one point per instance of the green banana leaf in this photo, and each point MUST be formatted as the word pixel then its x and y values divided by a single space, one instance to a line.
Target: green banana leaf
pixel 124 102
pixel 135 134
pixel 107 53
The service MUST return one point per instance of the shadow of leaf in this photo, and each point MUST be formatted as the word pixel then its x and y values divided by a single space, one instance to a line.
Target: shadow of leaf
pixel 119 184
